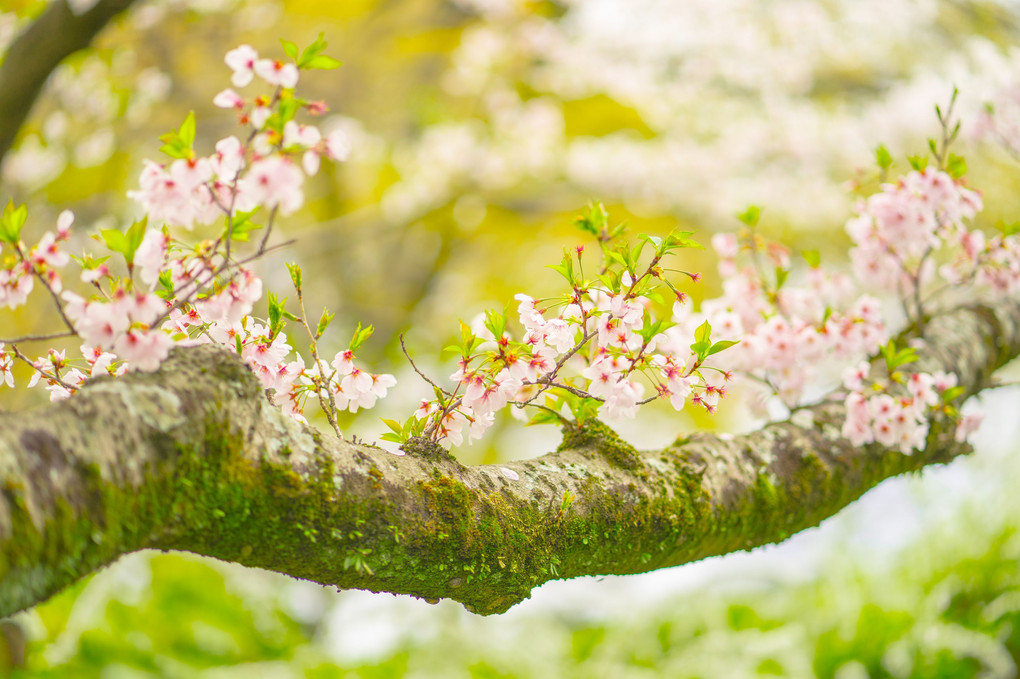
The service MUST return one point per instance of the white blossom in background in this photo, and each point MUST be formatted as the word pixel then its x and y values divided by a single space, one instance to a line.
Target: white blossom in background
pixel 746 101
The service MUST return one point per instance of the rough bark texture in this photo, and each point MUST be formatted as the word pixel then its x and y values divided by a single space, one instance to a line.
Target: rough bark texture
pixel 194 458
pixel 55 35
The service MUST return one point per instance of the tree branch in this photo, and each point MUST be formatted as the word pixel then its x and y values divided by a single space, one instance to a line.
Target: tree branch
pixel 192 457
pixel 38 50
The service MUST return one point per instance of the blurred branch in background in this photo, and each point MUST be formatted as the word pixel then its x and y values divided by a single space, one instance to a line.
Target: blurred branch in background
pixel 56 34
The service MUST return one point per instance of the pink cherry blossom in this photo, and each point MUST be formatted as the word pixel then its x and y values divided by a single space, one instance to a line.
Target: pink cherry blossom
pixel 228 98
pixel 151 255
pixel 277 73
pixel 144 350
pixel 6 365
pixel 338 146
pixel 64 221
pixel 276 183
pixel 241 61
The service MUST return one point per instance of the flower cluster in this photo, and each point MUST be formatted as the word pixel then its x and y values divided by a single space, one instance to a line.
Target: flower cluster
pixel 875 413
pixel 172 292
pixel 621 335
pixel 792 332
pixel 898 229
pixel 597 349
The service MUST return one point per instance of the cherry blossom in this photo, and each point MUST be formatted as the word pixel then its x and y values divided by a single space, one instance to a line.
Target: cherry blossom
pixel 241 61
pixel 277 73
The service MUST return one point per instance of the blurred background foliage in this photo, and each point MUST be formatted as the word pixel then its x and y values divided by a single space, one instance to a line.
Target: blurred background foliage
pixel 479 128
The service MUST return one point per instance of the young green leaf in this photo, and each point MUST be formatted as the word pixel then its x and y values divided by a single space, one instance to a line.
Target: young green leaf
pixel 781 275
pixel 187 129
pixel 276 313
pixel 956 166
pixel 295 275
pixel 289 48
pixel 721 345
pixel 883 158
pixel 360 336
pixel 703 332
pixel 324 320
pixel 11 222
pixel 750 216
pixel 1007 229
pixel 322 62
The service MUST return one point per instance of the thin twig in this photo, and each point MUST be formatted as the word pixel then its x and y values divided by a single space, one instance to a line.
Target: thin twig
pixel 420 373
pixel 52 378
pixel 328 408
pixel 38 338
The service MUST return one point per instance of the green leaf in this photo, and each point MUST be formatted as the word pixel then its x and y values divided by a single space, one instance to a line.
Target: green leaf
pixel 242 226
pixel 618 258
pixel 289 48
pixel 360 336
pixel 703 333
pixel 700 349
pixel 682 239
pixel 173 147
pixel 12 221
pixel 324 320
pixel 179 143
pixel 812 257
pixel 393 425
pixel 593 220
pixel 650 329
pixel 952 393
pixel 956 166
pixel 750 216
pixel 295 275
pixel 495 323
pixel 312 50
pixel 721 345
pixel 1007 229
pixel 544 417
pixel 468 339
pixel 165 285
pixel 187 129
pixel 276 312
pixel 135 234
pixel 702 341
pixel 883 158
pixel 289 107
pixel 114 239
pixel 894 358
pixel 781 275
pixel 918 162
pixel 322 62
pixel 565 268
pixel 655 241
pixel 634 255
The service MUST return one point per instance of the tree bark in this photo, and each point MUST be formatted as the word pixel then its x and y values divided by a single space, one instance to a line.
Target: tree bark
pixel 38 50
pixel 194 458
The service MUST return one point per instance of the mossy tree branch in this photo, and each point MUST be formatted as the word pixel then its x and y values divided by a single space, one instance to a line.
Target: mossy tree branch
pixel 38 50
pixel 194 458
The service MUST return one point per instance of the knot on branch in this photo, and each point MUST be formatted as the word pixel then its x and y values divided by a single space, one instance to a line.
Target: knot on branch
pixel 596 439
